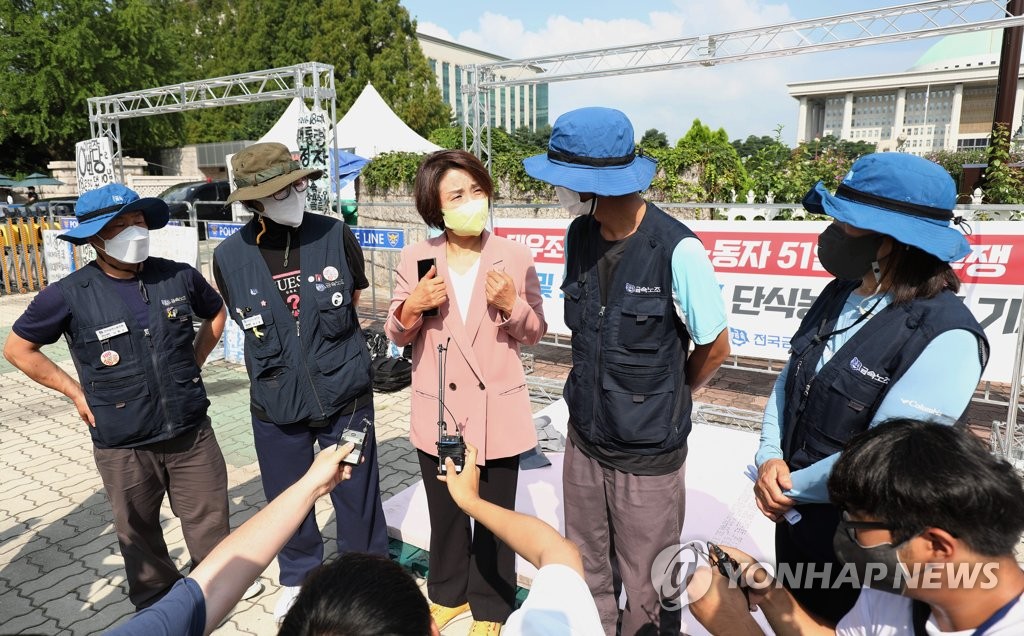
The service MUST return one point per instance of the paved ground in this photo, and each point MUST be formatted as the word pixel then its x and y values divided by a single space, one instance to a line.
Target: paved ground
pixel 60 568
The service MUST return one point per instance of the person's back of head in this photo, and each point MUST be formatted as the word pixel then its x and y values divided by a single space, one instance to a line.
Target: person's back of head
pixel 359 595
pixel 915 475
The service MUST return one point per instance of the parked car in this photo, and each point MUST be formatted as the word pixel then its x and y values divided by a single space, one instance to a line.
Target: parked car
pixel 207 197
pixel 58 206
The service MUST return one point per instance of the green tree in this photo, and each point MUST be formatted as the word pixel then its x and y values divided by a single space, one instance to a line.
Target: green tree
pixel 653 138
pixel 766 165
pixel 532 139
pixel 718 169
pixel 57 54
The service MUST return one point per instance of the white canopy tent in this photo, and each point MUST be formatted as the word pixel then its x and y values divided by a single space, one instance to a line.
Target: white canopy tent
pixel 285 130
pixel 371 127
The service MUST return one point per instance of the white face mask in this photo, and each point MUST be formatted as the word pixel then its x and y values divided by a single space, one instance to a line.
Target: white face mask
pixel 130 246
pixel 570 200
pixel 287 212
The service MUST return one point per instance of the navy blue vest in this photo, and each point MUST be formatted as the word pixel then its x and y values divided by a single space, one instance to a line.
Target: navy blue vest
pixel 627 388
pixel 825 409
pixel 309 369
pixel 154 391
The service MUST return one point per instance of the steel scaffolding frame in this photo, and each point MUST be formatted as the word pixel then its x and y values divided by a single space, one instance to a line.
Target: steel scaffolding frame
pixel 861 28
pixel 310 80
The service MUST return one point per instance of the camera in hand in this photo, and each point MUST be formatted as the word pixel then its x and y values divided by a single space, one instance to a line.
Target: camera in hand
pixel 357 437
pixel 448 446
pixel 422 267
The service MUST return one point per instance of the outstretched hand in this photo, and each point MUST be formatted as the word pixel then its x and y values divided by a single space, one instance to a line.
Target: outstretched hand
pixel 327 470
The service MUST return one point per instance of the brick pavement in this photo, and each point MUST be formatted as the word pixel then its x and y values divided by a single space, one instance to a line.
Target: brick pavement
pixel 60 567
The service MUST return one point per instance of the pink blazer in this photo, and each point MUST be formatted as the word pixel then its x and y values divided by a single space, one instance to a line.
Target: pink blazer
pixel 485 388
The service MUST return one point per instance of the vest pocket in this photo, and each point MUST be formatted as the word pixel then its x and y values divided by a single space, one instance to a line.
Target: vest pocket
pixel 637 404
pixel 118 404
pixel 335 319
pixel 851 405
pixel 641 325
pixel 266 344
pixel 573 306
pixel 193 400
pixel 121 344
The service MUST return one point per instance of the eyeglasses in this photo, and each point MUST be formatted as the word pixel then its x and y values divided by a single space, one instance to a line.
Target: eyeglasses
pixel 298 186
pixel 853 526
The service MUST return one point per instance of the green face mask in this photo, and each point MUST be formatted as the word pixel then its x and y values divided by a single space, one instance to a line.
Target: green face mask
pixel 468 219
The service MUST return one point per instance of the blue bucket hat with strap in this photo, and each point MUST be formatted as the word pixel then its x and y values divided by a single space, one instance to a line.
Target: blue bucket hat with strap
pixel 593 150
pixel 98 207
pixel 903 196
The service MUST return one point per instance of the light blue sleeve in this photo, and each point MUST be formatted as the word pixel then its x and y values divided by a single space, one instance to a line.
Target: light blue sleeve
pixel 937 387
pixel 696 293
pixel 771 422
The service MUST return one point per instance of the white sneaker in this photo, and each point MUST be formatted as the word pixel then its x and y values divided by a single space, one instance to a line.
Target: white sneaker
pixel 285 601
pixel 253 590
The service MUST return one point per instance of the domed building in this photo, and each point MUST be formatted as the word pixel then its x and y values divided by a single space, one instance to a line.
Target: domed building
pixel 944 101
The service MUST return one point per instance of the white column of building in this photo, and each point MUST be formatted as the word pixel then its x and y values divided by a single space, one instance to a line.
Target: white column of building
pixel 953 129
pixel 844 132
pixel 900 115
pixel 801 122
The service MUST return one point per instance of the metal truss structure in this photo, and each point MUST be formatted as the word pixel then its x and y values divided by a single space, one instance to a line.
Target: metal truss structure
pixel 311 80
pixel 862 28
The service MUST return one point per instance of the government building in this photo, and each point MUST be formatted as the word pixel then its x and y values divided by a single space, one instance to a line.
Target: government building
pixel 945 101
pixel 511 106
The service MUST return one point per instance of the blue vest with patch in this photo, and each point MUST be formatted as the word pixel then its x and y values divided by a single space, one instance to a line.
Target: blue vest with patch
pixel 825 409
pixel 627 388
pixel 151 390
pixel 305 369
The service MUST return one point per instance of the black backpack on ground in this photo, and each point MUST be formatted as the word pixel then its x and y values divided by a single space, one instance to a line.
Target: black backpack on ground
pixel 391 374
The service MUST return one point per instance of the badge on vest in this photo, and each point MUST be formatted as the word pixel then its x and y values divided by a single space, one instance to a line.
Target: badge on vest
pixel 331 273
pixel 109 358
pixel 109 332
pixel 252 321
pixel 337 298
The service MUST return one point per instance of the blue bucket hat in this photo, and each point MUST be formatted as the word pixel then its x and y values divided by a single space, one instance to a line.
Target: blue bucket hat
pixel 903 196
pixel 592 150
pixel 98 207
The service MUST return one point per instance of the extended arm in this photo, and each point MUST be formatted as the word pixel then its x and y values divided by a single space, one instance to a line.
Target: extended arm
pixel 237 560
pixel 28 358
pixel 208 335
pixel 529 537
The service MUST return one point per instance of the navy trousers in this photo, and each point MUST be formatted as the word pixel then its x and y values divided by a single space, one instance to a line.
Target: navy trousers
pixel 285 453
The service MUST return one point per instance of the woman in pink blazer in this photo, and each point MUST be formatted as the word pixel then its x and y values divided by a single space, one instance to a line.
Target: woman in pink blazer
pixel 488 302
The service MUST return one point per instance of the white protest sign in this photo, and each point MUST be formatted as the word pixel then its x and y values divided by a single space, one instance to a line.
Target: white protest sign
pixel 769 275
pixel 312 141
pixel 94 164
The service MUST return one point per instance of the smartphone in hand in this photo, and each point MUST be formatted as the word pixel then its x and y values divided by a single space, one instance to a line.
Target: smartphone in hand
pixel 422 267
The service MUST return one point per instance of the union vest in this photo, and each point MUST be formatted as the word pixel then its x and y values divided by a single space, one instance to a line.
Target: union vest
pixel 627 388
pixel 297 370
pixel 151 388
pixel 825 409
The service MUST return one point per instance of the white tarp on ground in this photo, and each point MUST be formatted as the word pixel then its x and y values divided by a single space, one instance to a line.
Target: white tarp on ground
pixel 719 499
pixel 371 127
pixel 285 131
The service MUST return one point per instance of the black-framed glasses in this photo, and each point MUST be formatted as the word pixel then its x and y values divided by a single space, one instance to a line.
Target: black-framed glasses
pixel 853 526
pixel 298 186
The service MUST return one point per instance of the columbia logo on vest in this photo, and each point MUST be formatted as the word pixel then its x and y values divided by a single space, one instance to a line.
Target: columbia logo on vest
pixel 859 367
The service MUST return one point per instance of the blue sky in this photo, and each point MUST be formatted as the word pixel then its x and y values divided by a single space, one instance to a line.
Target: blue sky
pixel 744 98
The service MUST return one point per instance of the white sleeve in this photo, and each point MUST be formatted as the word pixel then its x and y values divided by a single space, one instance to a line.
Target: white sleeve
pixel 559 602
pixel 878 613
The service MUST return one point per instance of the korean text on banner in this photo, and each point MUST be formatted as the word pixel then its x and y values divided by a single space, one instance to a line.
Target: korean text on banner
pixel 312 141
pixel 94 164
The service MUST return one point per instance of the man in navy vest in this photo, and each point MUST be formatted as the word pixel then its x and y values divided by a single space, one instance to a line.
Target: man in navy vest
pixel 638 289
pixel 291 281
pixel 127 319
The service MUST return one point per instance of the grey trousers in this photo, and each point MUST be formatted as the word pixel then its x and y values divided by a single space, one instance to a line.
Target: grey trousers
pixel 190 469
pixel 631 518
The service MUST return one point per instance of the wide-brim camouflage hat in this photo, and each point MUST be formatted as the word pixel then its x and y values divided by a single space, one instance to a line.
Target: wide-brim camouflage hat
pixel 263 169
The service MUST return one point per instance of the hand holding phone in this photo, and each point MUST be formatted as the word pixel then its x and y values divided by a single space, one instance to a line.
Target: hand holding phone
pixel 430 291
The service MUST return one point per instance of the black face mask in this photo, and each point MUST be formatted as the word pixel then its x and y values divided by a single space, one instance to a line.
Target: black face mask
pixel 845 256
